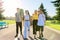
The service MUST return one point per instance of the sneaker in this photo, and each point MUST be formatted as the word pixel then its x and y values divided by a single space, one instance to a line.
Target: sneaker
pixel 40 37
pixel 25 38
pixel 34 37
pixel 16 36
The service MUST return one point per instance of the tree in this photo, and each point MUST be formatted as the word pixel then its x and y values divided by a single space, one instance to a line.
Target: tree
pixel 55 17
pixel 44 10
pixel 21 12
pixel 57 5
pixel 1 10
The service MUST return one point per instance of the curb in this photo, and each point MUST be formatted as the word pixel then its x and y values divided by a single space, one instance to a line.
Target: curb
pixel 57 31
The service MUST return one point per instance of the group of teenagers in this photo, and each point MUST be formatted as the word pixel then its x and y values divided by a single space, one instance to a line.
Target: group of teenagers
pixel 38 20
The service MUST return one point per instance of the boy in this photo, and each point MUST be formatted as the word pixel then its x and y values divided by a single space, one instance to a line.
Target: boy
pixel 18 22
pixel 41 22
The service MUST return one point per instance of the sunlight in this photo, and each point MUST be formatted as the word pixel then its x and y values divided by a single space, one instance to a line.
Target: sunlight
pixel 10 7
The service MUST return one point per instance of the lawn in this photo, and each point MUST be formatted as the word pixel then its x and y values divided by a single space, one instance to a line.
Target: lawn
pixel 53 25
pixel 9 21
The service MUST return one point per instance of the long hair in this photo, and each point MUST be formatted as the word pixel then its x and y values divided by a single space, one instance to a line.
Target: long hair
pixel 27 12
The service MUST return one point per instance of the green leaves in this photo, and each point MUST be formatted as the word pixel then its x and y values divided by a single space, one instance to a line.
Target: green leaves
pixel 57 5
pixel 44 10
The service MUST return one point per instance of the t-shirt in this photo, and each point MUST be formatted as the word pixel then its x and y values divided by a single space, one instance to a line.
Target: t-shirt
pixel 27 17
pixel 18 17
pixel 41 20
pixel 35 17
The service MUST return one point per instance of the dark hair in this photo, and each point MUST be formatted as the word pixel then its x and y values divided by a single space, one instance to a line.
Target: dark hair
pixel 27 11
pixel 17 8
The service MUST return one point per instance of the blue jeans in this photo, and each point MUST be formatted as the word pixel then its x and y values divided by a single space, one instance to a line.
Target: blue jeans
pixel 26 28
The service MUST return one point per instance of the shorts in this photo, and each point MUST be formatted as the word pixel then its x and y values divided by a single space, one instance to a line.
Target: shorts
pixel 40 28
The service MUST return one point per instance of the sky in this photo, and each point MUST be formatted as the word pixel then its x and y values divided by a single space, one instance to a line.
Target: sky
pixel 31 5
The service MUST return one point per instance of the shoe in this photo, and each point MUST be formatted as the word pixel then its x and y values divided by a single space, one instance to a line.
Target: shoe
pixel 25 38
pixel 16 36
pixel 40 37
pixel 34 37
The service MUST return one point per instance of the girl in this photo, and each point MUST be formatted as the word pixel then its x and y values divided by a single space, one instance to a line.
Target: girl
pixel 35 19
pixel 26 24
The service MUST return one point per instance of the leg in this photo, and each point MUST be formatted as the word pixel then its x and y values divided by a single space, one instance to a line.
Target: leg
pixel 35 32
pixel 20 27
pixel 16 29
pixel 25 32
pixel 34 28
pixel 28 28
pixel 42 31
pixel 39 32
pixel 25 29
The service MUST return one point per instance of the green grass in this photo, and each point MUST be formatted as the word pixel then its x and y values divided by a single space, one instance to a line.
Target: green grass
pixel 9 21
pixel 53 25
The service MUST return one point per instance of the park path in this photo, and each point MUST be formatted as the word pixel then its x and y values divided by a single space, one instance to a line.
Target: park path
pixel 9 33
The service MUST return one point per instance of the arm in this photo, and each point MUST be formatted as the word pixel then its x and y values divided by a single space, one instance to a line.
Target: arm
pixel 44 18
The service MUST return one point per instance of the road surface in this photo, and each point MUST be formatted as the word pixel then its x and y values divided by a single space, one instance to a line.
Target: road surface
pixel 9 33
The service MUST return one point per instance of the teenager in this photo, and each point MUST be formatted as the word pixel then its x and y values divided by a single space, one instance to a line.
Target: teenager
pixel 41 22
pixel 18 22
pixel 26 24
pixel 35 19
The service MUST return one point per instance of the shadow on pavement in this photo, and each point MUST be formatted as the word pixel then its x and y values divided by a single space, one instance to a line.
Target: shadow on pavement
pixel 37 39
pixel 31 38
pixel 17 39
pixel 44 39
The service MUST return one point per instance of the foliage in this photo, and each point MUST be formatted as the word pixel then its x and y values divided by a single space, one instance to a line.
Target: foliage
pixel 53 25
pixel 57 5
pixel 1 10
pixel 44 10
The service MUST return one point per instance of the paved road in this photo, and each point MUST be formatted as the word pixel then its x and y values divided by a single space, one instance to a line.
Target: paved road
pixel 9 33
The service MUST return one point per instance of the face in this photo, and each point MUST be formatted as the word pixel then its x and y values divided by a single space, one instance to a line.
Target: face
pixel 26 12
pixel 41 11
pixel 36 11
pixel 17 9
